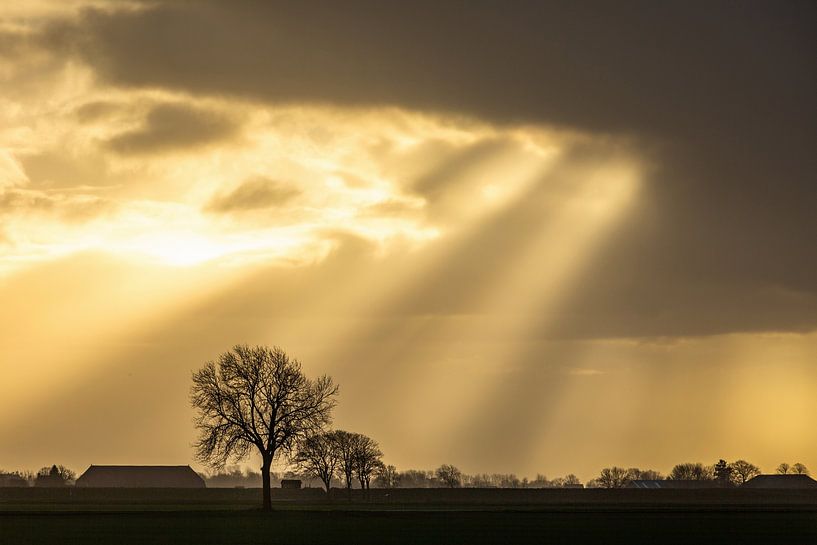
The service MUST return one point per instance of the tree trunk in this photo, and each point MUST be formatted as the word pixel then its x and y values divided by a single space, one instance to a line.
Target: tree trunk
pixel 265 479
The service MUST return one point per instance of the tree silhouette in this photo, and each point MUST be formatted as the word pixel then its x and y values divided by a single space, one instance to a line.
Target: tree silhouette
pixel 568 481
pixel 799 469
pixel 388 477
pixel 742 471
pixel 56 475
pixel 449 475
pixel 345 444
pixel 691 472
pixel 366 457
pixel 783 468
pixel 257 398
pixel 614 477
pixel 723 473
pixel 317 456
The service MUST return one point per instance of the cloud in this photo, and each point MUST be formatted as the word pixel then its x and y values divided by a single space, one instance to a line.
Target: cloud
pixel 66 207
pixel 719 101
pixel 393 208
pixel 253 194
pixel 174 127
pixel 11 173
pixel 56 168
pixel 97 109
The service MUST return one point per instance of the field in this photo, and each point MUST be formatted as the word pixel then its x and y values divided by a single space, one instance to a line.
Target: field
pixel 463 517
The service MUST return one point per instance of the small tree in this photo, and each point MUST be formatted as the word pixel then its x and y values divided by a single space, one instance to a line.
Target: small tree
pixel 799 469
pixel 257 399
pixel 449 475
pixel 568 481
pixel 742 471
pixel 614 477
pixel 366 456
pixel 388 477
pixel 317 456
pixel 345 445
pixel 54 476
pixel 723 473
pixel 541 481
pixel 650 475
pixel 783 469
pixel 692 472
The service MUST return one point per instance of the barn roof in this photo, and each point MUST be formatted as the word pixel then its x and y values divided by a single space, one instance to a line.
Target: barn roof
pixel 671 483
pixel 781 481
pixel 140 477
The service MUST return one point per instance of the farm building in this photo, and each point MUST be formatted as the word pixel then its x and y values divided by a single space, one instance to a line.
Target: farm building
pixel 291 483
pixel 140 477
pixel 669 483
pixel 781 481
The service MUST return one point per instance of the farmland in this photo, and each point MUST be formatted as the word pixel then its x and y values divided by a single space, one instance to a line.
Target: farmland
pixel 407 516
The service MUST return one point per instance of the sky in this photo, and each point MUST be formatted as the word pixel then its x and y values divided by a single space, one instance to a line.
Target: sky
pixel 545 237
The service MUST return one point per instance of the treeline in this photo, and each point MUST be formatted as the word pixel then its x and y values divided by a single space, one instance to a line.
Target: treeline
pixel 446 476
pixel 236 477
pixel 722 473
pixel 54 476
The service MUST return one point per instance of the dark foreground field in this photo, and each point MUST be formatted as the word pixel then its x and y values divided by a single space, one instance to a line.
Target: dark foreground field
pixel 421 527
pixel 220 517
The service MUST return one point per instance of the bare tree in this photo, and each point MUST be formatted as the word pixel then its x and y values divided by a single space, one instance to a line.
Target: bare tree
pixel 783 468
pixel 317 455
pixel 800 469
pixel 541 481
pixel 417 478
pixel 645 474
pixel 568 481
pixel 742 471
pixel 692 472
pixel 366 459
pixel 257 398
pixel 345 445
pixel 614 477
pixel 388 477
pixel 449 475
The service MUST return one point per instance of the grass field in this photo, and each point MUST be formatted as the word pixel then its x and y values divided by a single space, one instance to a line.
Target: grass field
pixel 178 517
pixel 420 527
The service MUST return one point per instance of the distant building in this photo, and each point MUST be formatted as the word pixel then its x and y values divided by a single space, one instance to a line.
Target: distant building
pixel 291 483
pixel 780 481
pixel 669 483
pixel 52 479
pixel 140 477
pixel 13 480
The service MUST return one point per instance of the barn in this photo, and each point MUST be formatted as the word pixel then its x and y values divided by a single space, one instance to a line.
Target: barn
pixel 140 477
pixel 671 483
pixel 781 481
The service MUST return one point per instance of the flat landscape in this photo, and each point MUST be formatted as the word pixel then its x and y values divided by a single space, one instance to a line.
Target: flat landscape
pixel 219 516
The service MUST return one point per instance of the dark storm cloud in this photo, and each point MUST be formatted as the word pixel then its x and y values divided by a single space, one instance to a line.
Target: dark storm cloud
pixel 253 194
pixel 719 96
pixel 172 127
